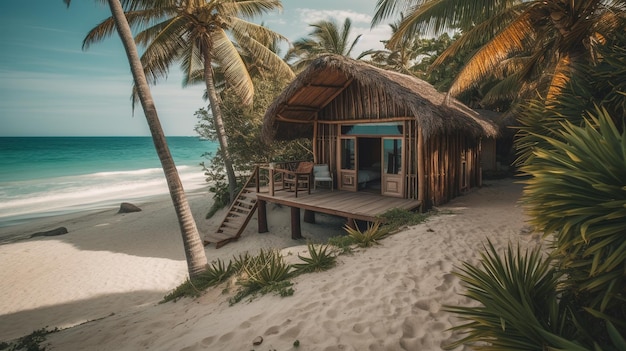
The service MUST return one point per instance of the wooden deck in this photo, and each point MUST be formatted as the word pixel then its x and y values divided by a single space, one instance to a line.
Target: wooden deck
pixel 361 205
pixel 356 205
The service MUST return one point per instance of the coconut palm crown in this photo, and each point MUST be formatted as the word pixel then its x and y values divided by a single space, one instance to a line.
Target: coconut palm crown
pixel 526 46
pixel 202 36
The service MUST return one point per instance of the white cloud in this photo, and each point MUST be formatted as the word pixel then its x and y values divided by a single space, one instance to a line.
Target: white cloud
pixel 309 16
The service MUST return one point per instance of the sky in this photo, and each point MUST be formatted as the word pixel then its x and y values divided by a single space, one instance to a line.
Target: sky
pixel 49 86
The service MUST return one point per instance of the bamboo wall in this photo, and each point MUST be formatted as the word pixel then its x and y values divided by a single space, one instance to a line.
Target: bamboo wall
pixel 451 160
pixel 452 167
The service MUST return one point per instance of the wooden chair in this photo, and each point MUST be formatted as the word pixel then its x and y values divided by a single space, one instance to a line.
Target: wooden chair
pixel 299 179
pixel 321 173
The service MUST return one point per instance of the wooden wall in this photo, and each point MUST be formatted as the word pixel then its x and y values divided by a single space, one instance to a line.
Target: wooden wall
pixel 451 160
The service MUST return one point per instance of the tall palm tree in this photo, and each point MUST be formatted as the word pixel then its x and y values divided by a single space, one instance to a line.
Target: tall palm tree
pixel 194 250
pixel 203 34
pixel 326 38
pixel 527 46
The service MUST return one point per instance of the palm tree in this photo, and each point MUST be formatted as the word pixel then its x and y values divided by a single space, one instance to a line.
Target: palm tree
pixel 527 46
pixel 194 250
pixel 203 34
pixel 326 38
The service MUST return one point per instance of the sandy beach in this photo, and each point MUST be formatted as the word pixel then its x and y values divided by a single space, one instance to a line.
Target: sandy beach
pixel 101 282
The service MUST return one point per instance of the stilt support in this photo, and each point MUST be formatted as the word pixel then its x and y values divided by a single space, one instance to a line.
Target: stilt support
pixel 262 216
pixel 309 216
pixel 296 233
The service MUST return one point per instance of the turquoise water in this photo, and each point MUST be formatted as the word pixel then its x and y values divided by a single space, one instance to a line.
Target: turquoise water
pixel 43 176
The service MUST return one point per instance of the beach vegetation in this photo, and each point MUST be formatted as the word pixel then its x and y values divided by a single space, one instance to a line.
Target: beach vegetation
pixel 574 299
pixel 369 236
pixel 572 154
pixel 267 272
pixel 343 243
pixel 30 342
pixel 397 218
pixel 518 300
pixel 120 22
pixel 519 48
pixel 216 273
pixel 243 124
pixel 318 260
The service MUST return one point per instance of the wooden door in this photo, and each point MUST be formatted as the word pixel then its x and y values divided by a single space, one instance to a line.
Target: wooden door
pixel 347 151
pixel 393 167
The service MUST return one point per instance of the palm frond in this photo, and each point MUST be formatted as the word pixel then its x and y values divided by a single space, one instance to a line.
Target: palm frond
pixel 518 307
pixel 507 42
pixel 577 192
pixel 233 67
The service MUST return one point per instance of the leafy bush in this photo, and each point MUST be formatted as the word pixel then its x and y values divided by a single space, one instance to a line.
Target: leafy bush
pixel 266 272
pixel 518 298
pixel 576 193
pixel 320 260
pixel 30 342
pixel 397 218
pixel 343 243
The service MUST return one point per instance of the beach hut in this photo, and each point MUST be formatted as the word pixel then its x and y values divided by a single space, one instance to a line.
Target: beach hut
pixel 382 132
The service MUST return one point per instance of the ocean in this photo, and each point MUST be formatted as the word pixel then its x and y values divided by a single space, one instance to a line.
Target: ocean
pixel 47 176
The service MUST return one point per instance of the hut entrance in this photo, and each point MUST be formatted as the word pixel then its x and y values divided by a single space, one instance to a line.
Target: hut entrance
pixel 371 162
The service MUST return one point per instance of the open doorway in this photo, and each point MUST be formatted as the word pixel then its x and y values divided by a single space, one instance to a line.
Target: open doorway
pixel 369 164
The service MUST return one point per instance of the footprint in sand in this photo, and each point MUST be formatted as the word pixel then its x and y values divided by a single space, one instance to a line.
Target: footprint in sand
pixel 448 279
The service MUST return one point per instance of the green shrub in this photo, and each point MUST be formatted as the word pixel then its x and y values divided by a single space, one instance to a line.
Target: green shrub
pixel 575 192
pixel 343 243
pixel 518 301
pixel 397 218
pixel 369 237
pixel 263 273
pixel 30 342
pixel 320 260
pixel 215 273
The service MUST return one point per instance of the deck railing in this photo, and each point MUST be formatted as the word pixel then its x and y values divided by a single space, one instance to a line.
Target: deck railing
pixel 269 177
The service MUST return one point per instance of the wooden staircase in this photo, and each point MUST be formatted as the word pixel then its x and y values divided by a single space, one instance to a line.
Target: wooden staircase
pixel 238 216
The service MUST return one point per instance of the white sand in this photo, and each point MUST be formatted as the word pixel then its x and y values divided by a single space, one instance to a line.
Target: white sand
pixel 110 271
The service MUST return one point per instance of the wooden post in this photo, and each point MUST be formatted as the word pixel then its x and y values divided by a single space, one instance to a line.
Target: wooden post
pixel 350 223
pixel 296 233
pixel 315 141
pixel 309 216
pixel 272 181
pixel 262 216
pixel 421 179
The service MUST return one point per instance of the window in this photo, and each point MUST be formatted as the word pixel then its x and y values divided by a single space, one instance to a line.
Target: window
pixel 372 129
pixel 348 153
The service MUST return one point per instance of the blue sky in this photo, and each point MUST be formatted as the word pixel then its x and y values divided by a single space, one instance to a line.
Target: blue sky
pixel 49 86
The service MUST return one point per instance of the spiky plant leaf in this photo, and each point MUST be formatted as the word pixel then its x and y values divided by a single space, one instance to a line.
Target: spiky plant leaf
pixel 577 193
pixel 369 237
pixel 518 301
pixel 320 260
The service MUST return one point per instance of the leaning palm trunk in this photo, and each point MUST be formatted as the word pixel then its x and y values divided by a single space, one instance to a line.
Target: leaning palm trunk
pixel 194 250
pixel 219 125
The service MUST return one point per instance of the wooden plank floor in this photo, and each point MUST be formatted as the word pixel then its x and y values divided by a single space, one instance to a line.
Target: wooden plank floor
pixel 356 205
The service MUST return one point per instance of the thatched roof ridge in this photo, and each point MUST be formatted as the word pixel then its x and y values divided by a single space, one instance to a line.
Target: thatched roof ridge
pixel 415 95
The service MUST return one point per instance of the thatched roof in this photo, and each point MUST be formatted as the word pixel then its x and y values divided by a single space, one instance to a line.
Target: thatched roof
pixel 291 114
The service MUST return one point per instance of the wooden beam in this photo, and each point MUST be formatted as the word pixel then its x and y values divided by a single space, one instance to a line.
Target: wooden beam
pixel 334 95
pixel 357 121
pixel 329 86
pixel 282 118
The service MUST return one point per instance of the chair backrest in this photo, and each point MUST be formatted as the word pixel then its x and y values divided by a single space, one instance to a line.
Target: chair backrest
pixel 321 171
pixel 305 167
